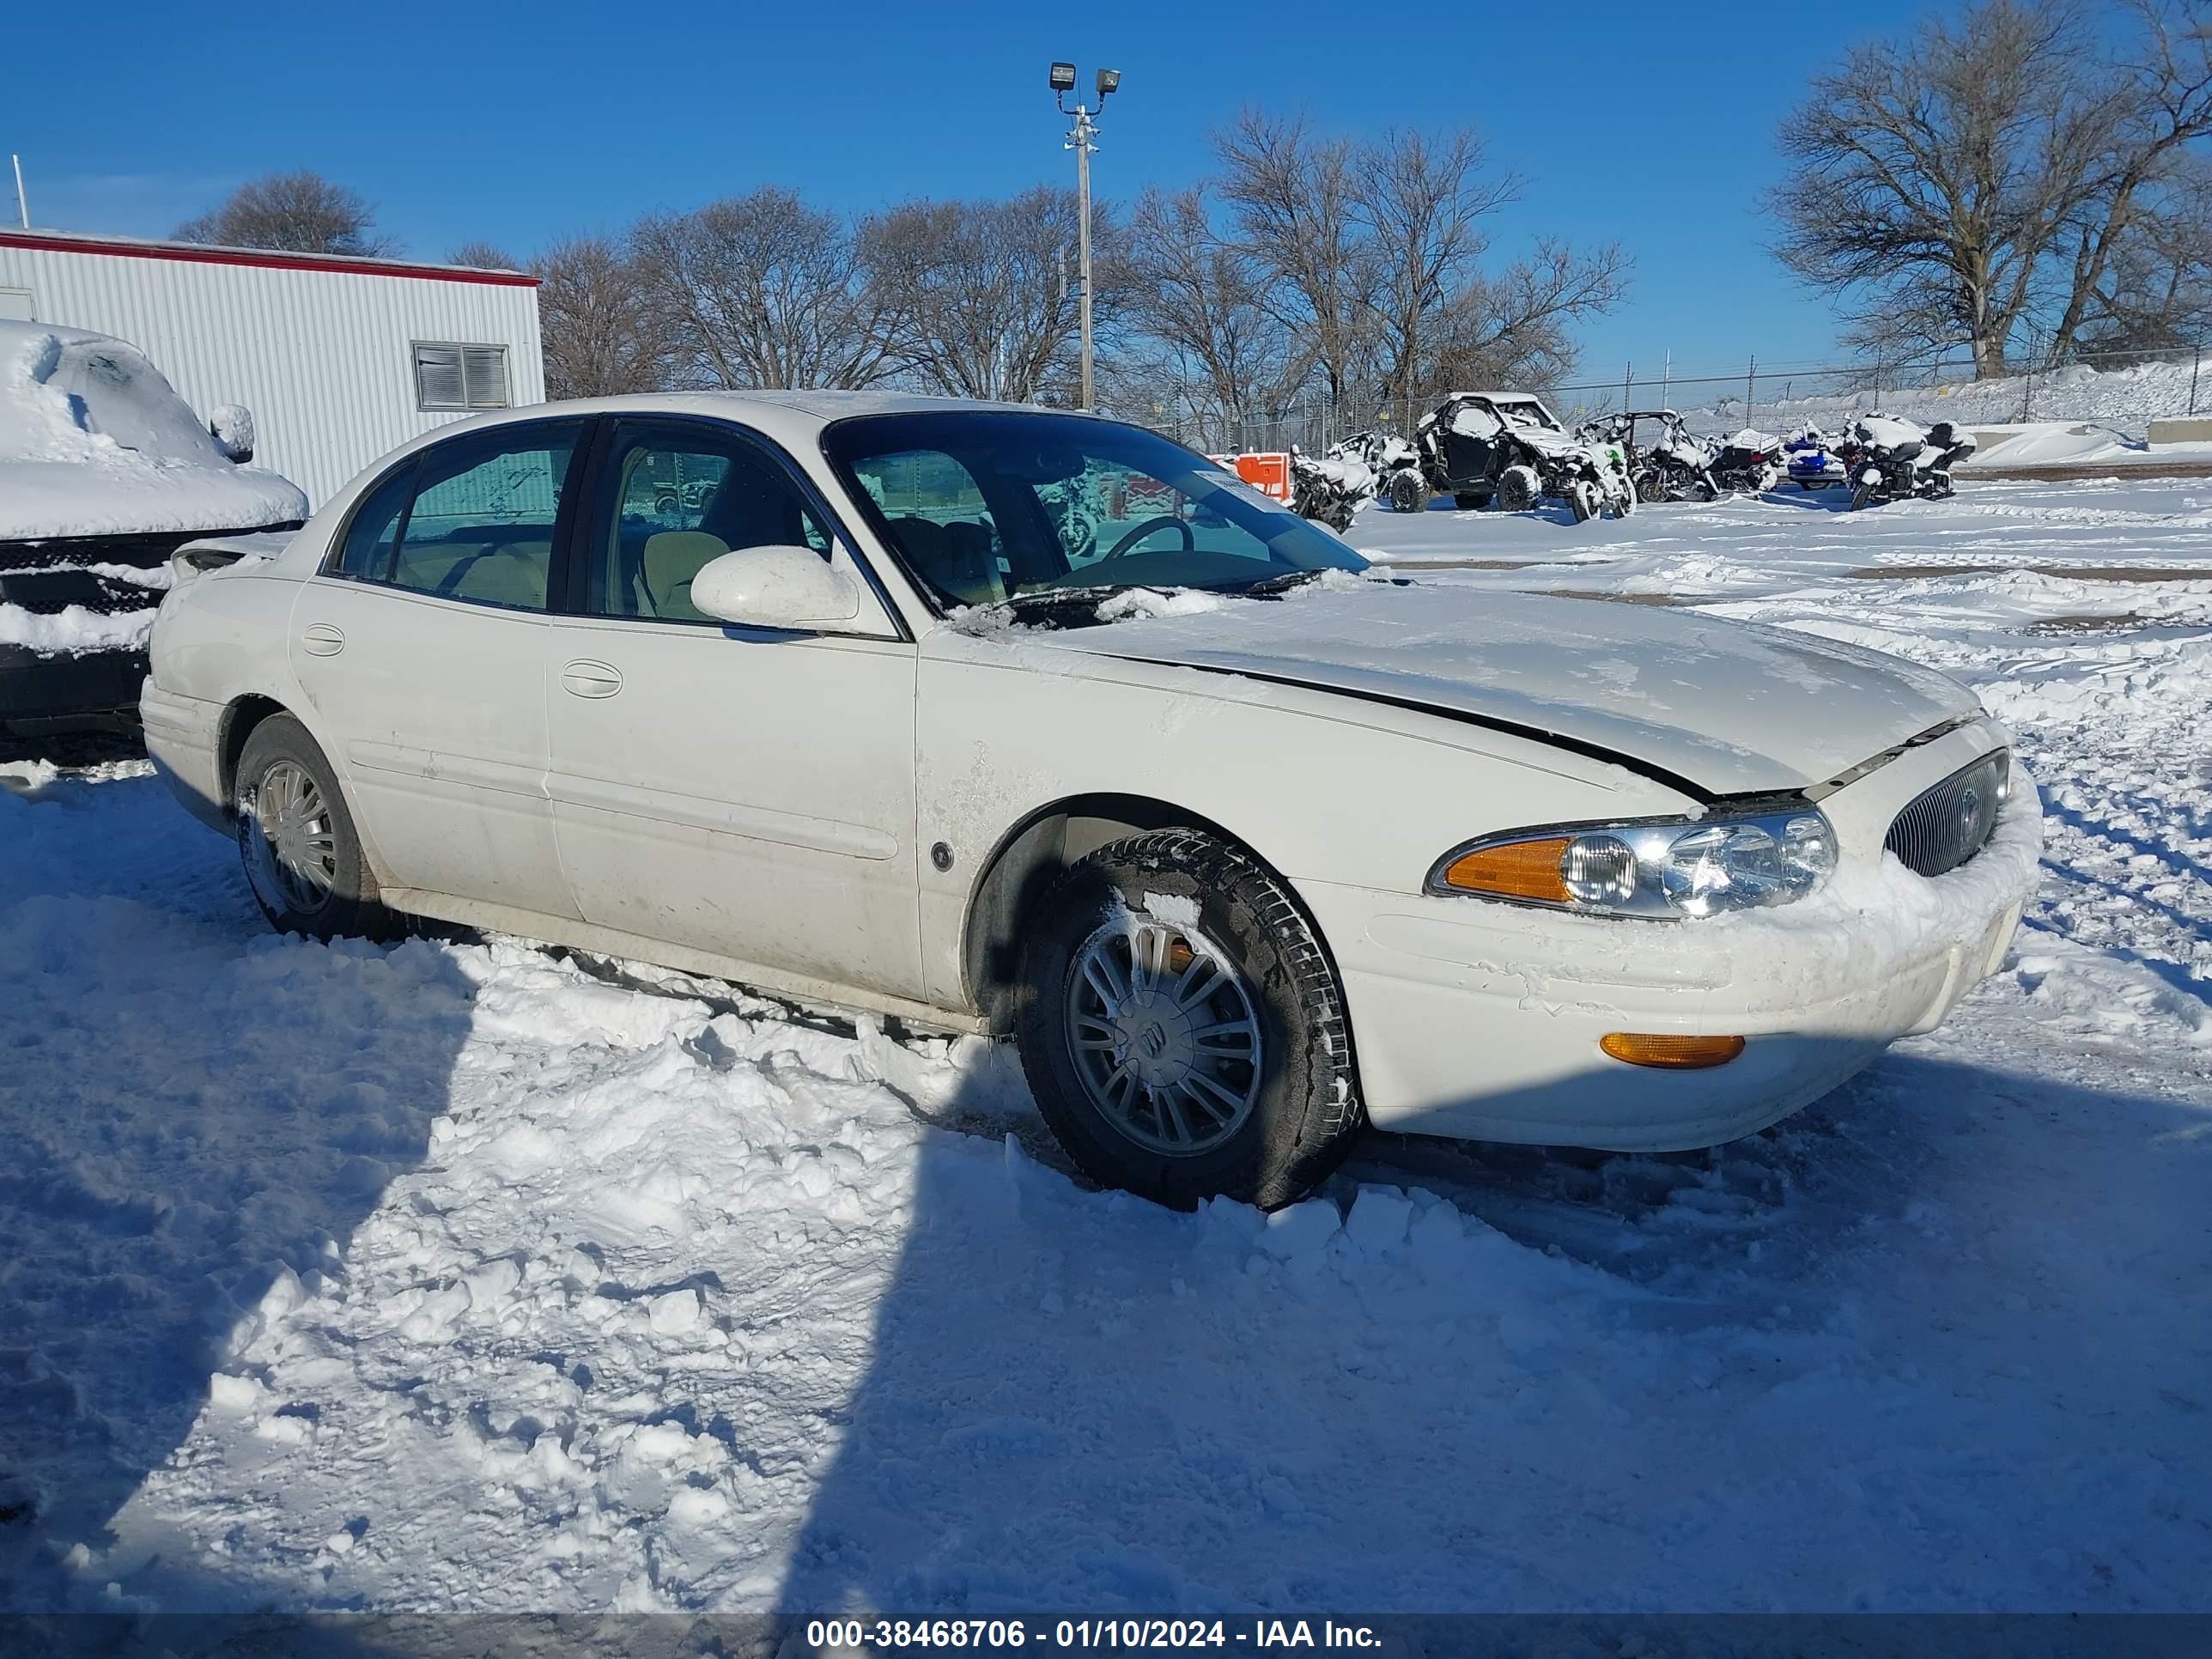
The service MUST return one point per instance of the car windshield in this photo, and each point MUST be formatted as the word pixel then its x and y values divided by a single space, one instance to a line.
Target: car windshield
pixel 987 506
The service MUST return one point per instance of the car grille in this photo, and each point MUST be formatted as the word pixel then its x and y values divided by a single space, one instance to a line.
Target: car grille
pixel 1947 824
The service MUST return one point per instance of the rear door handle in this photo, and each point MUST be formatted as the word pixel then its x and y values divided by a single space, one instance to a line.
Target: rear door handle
pixel 586 678
pixel 322 640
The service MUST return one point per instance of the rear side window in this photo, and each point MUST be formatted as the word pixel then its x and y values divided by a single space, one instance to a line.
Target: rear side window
pixel 375 529
pixel 470 520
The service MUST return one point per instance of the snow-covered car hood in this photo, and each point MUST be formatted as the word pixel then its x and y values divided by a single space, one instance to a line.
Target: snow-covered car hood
pixel 1733 707
pixel 95 442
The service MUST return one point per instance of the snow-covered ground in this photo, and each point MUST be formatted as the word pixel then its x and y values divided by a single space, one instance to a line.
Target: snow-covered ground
pixel 456 1275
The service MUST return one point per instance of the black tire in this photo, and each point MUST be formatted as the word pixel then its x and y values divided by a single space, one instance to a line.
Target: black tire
pixel 1581 501
pixel 352 905
pixel 1518 489
pixel 1307 1112
pixel 1861 494
pixel 1408 493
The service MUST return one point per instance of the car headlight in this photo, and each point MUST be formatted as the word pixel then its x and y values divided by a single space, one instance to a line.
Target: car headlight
pixel 1671 868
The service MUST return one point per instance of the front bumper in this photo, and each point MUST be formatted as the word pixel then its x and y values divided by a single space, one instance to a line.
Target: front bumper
pixel 67 692
pixel 1480 1020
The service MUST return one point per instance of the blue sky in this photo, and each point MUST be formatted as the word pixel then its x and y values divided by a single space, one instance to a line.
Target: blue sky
pixel 517 123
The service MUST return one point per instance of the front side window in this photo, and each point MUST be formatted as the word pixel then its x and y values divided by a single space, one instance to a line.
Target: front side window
pixel 984 507
pixel 469 519
pixel 682 495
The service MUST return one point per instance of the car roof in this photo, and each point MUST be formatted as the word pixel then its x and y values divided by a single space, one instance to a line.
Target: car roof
pixel 791 417
pixel 819 406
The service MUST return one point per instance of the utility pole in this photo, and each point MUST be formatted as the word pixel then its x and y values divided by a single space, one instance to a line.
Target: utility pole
pixel 1080 140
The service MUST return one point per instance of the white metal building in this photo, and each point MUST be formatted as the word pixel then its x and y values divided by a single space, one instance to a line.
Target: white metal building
pixel 339 359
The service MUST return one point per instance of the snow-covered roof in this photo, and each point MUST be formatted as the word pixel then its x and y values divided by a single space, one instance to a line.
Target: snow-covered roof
pixel 95 442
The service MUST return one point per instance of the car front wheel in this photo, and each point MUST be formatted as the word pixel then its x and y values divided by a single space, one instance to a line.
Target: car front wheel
pixel 297 839
pixel 1181 1027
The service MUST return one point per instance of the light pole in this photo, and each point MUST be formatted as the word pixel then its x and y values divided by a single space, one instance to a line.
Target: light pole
pixel 1079 140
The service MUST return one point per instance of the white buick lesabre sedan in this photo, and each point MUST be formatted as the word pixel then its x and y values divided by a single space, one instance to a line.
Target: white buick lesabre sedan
pixel 1000 719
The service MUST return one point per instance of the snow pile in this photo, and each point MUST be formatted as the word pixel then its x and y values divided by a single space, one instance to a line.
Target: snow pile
pixel 75 629
pixel 93 441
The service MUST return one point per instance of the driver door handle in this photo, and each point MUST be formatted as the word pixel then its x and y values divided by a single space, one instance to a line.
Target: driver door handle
pixel 588 678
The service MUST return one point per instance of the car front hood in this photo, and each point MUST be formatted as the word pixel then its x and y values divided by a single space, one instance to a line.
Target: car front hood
pixel 1727 708
pixel 121 496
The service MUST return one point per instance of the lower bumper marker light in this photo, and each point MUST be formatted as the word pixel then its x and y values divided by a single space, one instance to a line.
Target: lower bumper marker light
pixel 1671 1053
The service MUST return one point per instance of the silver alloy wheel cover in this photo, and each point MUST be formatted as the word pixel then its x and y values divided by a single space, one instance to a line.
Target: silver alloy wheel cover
pixel 291 845
pixel 1172 1056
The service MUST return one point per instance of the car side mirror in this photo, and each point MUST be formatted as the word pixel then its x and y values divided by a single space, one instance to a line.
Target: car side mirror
pixel 775 588
pixel 231 426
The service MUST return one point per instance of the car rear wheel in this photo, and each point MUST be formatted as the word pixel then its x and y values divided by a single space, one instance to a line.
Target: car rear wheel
pixel 1181 1027
pixel 297 839
pixel 1518 488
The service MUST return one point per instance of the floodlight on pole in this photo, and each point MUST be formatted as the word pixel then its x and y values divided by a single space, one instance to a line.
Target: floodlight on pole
pixel 1081 139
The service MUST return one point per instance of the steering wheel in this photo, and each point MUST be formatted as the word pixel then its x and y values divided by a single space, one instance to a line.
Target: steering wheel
pixel 1137 532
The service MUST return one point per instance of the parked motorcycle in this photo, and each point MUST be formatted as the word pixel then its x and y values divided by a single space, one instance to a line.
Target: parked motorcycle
pixel 1895 460
pixel 1811 462
pixel 1329 490
pixel 1479 448
pixel 1749 463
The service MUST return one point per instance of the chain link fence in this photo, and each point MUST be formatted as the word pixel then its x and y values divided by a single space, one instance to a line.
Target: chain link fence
pixel 2124 391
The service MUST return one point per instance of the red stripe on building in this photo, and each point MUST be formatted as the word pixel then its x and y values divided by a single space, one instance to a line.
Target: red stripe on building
pixel 188 253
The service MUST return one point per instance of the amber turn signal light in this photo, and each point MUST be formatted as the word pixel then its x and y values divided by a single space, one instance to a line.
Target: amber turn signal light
pixel 1671 1053
pixel 1521 869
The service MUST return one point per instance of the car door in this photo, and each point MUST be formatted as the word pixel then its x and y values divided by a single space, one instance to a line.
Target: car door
pixel 745 792
pixel 422 650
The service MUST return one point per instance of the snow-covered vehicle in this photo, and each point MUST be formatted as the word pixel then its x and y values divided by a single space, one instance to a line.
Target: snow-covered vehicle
pixel 1749 463
pixel 1329 490
pixel 1891 459
pixel 1394 465
pixel 1241 847
pixel 1676 465
pixel 1507 448
pixel 104 473
pixel 1810 461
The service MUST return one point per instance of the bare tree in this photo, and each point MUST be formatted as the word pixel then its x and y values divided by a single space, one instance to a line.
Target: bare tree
pixel 1294 200
pixel 1201 298
pixel 985 291
pixel 1422 205
pixel 295 212
pixel 1511 328
pixel 2141 226
pixel 602 334
pixel 483 256
pixel 762 290
pixel 2156 292
pixel 1960 184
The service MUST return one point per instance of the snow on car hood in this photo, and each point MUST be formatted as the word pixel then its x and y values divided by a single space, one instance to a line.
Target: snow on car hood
pixel 1735 708
pixel 95 442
